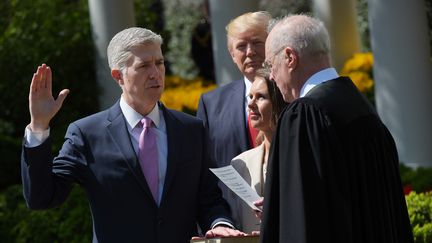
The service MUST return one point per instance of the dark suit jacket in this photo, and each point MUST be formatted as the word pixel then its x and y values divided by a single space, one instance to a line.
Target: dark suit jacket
pixel 223 113
pixel 98 155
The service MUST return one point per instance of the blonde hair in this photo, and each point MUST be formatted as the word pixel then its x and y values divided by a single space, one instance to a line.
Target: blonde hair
pixel 256 21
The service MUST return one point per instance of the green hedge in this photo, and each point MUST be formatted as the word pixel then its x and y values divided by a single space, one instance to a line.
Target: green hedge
pixel 419 179
pixel 72 223
pixel 420 213
pixel 56 32
pixel 69 223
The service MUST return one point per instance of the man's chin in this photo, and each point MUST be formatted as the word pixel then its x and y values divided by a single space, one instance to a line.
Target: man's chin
pixel 251 70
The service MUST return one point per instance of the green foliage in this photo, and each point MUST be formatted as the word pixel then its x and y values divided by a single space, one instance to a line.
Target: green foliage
pixel 363 25
pixel 279 8
pixel 420 213
pixel 56 32
pixel 419 179
pixel 149 14
pixel 181 18
pixel 69 223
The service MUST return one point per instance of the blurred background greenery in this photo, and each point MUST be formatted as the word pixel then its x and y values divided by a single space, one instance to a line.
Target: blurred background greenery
pixel 57 32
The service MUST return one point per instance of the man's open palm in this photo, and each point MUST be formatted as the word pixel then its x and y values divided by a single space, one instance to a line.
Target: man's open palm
pixel 42 104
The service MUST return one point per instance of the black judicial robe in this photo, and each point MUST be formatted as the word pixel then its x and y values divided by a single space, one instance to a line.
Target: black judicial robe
pixel 333 173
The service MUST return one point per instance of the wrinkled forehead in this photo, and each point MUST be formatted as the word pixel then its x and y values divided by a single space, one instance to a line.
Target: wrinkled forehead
pixel 146 52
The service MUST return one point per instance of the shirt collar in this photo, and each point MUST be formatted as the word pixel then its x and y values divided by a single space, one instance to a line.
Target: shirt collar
pixel 248 85
pixel 133 117
pixel 319 77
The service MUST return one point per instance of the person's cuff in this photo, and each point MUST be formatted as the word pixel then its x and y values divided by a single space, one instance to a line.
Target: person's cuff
pixel 34 139
pixel 223 223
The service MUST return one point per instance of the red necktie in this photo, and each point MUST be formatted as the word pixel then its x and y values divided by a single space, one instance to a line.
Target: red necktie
pixel 252 133
pixel 148 156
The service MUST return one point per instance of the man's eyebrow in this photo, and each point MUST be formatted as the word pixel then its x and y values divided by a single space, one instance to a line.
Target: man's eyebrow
pixel 141 61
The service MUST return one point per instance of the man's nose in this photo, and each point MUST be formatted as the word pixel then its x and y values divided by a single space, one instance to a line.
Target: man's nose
pixel 154 70
pixel 250 50
pixel 251 103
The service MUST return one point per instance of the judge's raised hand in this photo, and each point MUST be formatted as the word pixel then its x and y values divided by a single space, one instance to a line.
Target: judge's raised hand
pixel 42 104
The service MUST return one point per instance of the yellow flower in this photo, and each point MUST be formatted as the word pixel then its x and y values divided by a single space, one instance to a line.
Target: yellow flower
pixel 359 69
pixel 359 62
pixel 362 81
pixel 183 95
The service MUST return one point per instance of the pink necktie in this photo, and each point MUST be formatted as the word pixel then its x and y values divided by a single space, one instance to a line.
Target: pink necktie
pixel 148 156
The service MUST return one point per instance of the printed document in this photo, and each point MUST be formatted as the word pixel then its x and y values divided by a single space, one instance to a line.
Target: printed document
pixel 230 177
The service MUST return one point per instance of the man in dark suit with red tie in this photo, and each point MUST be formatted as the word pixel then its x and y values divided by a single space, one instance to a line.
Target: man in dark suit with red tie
pixel 107 154
pixel 224 110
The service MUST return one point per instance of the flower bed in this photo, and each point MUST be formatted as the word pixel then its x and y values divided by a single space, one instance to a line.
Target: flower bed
pixel 183 94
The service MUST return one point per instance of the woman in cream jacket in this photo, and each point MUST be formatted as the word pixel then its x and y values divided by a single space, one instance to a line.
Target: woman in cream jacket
pixel 264 108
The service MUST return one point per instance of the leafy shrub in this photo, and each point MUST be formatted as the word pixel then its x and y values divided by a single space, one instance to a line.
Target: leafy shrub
pixel 32 32
pixel 149 14
pixel 56 32
pixel 181 17
pixel 420 213
pixel 70 222
pixel 419 179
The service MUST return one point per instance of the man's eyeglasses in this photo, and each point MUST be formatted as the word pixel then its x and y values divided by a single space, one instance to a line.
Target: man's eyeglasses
pixel 266 64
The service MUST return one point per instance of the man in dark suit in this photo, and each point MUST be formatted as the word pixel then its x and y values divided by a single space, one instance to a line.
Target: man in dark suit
pixel 333 173
pixel 224 110
pixel 103 153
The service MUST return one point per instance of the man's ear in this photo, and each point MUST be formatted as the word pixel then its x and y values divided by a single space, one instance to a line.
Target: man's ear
pixel 291 57
pixel 118 76
pixel 231 52
pixel 230 48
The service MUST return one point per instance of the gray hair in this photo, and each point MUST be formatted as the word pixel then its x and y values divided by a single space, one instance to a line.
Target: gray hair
pixel 118 51
pixel 305 34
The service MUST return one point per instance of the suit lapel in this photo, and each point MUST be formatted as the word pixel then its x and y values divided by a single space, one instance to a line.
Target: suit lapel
pixel 174 135
pixel 238 116
pixel 121 138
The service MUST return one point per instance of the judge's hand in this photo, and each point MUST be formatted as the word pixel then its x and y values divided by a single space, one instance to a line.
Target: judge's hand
pixel 42 104
pixel 221 231
pixel 259 203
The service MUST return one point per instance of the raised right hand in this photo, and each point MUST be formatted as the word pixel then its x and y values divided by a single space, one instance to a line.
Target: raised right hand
pixel 42 104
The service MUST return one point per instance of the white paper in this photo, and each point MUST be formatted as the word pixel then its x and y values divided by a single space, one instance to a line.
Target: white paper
pixel 232 179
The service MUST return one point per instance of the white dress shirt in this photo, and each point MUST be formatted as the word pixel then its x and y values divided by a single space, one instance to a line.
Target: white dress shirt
pixel 319 77
pixel 248 85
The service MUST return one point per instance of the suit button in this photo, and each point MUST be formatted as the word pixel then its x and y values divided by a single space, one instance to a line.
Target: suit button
pixel 160 221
